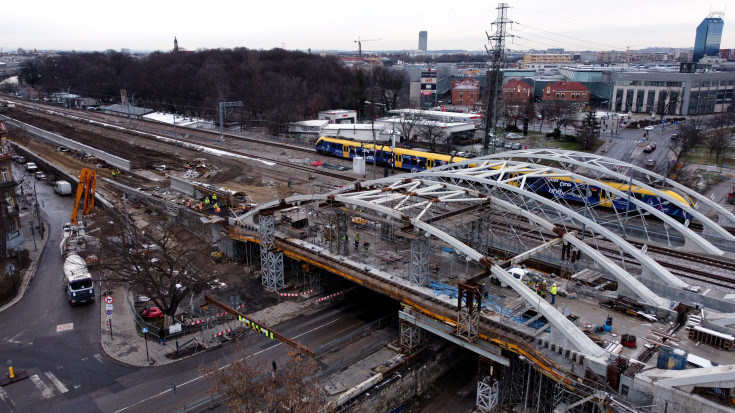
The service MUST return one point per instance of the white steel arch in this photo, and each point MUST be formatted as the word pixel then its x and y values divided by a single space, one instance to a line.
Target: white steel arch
pixel 610 166
pixel 488 168
pixel 645 260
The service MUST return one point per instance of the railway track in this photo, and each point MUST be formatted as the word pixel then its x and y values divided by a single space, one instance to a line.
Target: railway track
pixel 716 274
pixel 202 138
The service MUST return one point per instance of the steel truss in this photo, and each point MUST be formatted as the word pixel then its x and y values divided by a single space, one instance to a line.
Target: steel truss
pixel 271 259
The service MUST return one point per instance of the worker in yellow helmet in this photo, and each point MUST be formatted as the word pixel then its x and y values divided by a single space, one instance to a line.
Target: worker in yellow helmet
pixel 553 294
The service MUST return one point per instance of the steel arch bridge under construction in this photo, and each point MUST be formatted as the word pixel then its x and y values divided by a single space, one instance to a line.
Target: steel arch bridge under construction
pixel 483 213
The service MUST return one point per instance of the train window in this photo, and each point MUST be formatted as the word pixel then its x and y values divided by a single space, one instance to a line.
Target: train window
pixel 422 163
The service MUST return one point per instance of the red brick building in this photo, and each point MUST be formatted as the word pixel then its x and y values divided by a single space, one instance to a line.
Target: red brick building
pixel 567 91
pixel 517 92
pixel 465 92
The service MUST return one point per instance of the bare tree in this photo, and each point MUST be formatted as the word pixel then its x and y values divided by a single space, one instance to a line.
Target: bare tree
pixel 408 127
pixel 251 386
pixel 164 261
pixel 688 137
pixel 560 113
pixel 718 143
pixel 431 133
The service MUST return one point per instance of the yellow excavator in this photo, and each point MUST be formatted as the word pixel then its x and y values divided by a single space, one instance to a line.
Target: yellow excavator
pixel 74 235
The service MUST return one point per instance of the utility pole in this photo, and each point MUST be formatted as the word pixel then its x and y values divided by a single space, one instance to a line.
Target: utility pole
pixel 494 75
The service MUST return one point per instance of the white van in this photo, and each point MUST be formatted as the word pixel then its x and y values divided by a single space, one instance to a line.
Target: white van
pixel 31 167
pixel 62 188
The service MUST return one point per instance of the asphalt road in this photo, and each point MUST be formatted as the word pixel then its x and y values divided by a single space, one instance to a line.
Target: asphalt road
pixel 59 345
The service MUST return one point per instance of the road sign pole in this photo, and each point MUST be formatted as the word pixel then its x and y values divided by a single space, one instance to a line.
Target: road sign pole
pixel 110 320
pixel 146 350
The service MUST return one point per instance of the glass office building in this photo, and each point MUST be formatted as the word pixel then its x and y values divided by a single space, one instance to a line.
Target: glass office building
pixel 709 35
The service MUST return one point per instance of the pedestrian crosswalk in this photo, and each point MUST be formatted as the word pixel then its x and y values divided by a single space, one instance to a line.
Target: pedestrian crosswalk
pixel 42 385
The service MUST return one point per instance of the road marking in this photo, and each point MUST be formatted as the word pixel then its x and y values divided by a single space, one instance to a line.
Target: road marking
pixel 223 367
pixel 64 327
pixel 56 382
pixel 98 357
pixel 45 390
pixel 12 339
pixel 4 397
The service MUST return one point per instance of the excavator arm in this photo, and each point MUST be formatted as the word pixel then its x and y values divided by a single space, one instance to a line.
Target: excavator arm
pixel 86 187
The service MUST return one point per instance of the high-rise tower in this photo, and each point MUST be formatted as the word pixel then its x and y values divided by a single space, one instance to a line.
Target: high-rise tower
pixel 176 45
pixel 709 35
pixel 423 40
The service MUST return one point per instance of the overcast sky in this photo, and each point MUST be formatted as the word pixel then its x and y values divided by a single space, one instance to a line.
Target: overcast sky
pixel 334 25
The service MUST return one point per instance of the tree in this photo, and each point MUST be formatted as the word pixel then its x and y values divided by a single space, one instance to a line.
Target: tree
pixel 163 260
pixel 389 83
pixel 251 386
pixel 688 137
pixel 559 112
pixel 588 130
pixel 718 143
pixel 407 127
pixel 432 133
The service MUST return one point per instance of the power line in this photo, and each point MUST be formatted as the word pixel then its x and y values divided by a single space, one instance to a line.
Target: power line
pixel 568 37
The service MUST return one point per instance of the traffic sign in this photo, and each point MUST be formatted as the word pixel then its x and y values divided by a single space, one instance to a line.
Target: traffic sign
pixel 144 330
pixel 109 312
pixel 108 299
pixel 109 316
pixel 108 307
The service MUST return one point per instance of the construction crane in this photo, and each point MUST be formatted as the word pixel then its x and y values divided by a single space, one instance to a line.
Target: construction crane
pixel 359 42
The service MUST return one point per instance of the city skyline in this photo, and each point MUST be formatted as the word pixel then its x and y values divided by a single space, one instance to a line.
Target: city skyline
pixel 85 25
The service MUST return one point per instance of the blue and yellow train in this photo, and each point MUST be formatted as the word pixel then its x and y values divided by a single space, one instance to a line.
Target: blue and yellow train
pixel 557 187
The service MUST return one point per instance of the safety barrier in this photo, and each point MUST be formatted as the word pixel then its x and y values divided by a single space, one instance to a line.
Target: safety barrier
pixel 296 294
pixel 335 294
pixel 211 318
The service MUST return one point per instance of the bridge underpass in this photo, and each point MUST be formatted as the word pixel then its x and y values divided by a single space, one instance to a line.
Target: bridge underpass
pixel 438 228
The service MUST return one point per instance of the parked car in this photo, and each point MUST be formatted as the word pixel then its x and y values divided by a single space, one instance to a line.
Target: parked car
pixel 317 163
pixel 40 176
pixel 508 145
pixel 31 167
pixel 499 143
pixel 151 312
pixel 674 137
pixel 650 163
pixel 516 146
pixel 649 127
pixel 20 159
pixel 511 135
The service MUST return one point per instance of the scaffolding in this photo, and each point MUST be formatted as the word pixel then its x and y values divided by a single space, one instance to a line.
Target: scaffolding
pixel 410 336
pixel 271 259
pixel 419 273
pixel 469 301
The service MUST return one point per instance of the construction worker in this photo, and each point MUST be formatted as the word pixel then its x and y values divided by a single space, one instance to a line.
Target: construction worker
pixel 206 201
pixel 553 294
pixel 357 240
pixel 214 198
pixel 538 289
pixel 367 247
